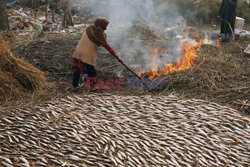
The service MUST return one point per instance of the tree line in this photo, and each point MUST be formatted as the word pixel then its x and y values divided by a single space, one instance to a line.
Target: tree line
pixel 192 10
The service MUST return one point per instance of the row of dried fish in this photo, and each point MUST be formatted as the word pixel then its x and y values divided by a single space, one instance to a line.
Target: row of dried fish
pixel 110 130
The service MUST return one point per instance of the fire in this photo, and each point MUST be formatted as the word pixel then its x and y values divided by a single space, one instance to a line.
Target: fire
pixel 218 43
pixel 183 62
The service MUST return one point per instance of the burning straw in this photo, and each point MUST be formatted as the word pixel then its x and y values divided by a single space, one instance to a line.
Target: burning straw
pixel 16 74
pixel 217 75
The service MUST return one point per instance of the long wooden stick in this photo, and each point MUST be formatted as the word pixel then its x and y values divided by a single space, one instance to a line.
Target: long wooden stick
pixel 229 27
pixel 112 52
pixel 134 74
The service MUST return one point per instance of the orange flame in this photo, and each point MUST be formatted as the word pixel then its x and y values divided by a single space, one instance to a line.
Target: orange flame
pixel 183 62
pixel 218 43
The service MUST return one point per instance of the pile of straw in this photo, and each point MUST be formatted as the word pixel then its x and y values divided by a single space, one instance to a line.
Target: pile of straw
pixel 16 74
pixel 218 76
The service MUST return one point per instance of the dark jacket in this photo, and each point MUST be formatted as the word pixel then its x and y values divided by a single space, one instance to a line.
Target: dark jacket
pixel 228 12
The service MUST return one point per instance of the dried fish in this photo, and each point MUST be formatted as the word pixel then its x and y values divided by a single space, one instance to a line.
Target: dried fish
pixel 74 158
pixel 125 131
pixel 24 160
pixel 8 160
pixel 6 164
pixel 40 164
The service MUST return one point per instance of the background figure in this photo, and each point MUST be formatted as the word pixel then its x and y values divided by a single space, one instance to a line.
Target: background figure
pixel 227 12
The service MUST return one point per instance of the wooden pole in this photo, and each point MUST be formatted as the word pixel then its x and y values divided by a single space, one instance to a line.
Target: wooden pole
pixel 46 12
pixel 134 74
pixel 229 27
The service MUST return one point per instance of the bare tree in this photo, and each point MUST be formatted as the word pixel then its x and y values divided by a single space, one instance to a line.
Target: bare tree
pixel 53 15
pixel 46 11
pixel 67 18
pixel 3 16
pixel 52 5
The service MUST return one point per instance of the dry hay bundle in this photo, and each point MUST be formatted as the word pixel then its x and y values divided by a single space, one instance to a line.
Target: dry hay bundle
pixel 8 85
pixel 9 37
pixel 217 75
pixel 15 71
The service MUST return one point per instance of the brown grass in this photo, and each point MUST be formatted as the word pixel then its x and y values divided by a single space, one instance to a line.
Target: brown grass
pixel 17 74
pixel 220 76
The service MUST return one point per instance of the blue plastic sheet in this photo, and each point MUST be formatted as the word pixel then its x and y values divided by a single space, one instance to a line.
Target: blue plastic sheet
pixel 11 3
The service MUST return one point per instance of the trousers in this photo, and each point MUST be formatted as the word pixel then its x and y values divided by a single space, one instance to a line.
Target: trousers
pixel 90 71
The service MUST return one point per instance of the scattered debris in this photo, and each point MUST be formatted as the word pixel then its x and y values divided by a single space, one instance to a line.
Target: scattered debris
pixel 28 21
pixel 11 3
pixel 239 23
pixel 242 32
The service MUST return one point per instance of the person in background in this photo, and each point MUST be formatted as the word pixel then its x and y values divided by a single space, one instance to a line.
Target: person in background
pixel 84 56
pixel 227 12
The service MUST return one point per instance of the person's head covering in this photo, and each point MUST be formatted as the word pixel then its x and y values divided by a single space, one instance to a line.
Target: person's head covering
pixel 102 23
pixel 96 33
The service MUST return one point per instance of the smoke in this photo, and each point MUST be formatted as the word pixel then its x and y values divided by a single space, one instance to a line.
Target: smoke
pixel 138 26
